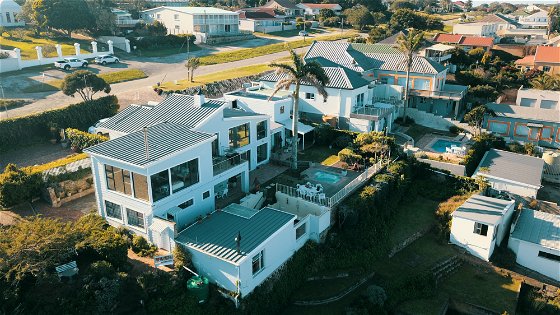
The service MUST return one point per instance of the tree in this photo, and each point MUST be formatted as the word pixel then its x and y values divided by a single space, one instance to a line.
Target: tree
pixel 358 17
pixel 445 5
pixel 192 64
pixel 312 73
pixel 546 82
pixel 377 33
pixel 405 18
pixel 326 13
pixel 409 44
pixel 402 4
pixel 85 83
pixel 468 5
pixel 68 15
pixel 105 20
pixel 552 26
pixel 475 117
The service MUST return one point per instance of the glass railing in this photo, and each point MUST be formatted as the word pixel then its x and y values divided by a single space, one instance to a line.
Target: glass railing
pixel 223 163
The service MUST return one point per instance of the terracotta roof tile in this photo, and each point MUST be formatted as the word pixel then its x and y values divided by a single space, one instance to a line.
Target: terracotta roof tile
pixel 448 38
pixel 320 5
pixel 547 54
pixel 477 41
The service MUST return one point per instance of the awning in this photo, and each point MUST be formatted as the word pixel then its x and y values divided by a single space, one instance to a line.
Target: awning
pixel 302 128
pixel 159 225
pixel 441 47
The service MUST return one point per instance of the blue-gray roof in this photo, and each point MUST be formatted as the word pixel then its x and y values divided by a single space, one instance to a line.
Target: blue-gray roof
pixel 539 228
pixel 483 209
pixel 216 235
pixel 163 139
pixel 176 108
pixel 512 166
pixel 339 78
pixel 230 113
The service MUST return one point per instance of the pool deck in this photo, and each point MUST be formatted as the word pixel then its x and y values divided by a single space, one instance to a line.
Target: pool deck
pixel 329 188
pixel 428 140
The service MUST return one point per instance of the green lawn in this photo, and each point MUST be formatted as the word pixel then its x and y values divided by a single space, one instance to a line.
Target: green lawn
pixel 322 289
pixel 8 104
pixel 246 53
pixel 111 77
pixel 412 217
pixel 290 33
pixel 319 154
pixel 28 44
pixel 163 52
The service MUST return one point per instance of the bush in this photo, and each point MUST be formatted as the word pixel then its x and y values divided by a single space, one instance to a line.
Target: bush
pixel 332 21
pixel 141 247
pixel 4 55
pixel 18 186
pixel 455 130
pixel 482 143
pixel 26 130
pixel 167 41
pixel 349 156
pixel 444 212
pixel 80 140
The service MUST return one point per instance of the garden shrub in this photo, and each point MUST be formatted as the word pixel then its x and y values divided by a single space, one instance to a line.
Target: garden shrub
pixel 327 135
pixel 18 186
pixel 166 41
pixel 482 143
pixel 141 246
pixel 26 130
pixel 455 130
pixel 79 140
pixel 349 156
pixel 444 212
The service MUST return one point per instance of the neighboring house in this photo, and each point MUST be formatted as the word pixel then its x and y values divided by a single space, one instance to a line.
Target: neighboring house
pixel 384 65
pixel 9 11
pixel 393 40
pixel 538 19
pixel 200 21
pixel 546 58
pixel 439 53
pixel 287 8
pixel 168 3
pixel 555 42
pixel 535 239
pixel 314 8
pixel 238 247
pixel 262 20
pixel 526 36
pixel 459 5
pixel 488 25
pixel 465 42
pixel 534 118
pixel 123 18
pixel 480 224
pixel 515 173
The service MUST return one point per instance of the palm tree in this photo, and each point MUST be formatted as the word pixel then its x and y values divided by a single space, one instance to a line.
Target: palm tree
pixel 311 73
pixel 409 44
pixel 552 20
pixel 191 65
pixel 546 82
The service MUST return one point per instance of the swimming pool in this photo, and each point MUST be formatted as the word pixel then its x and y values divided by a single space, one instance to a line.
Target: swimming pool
pixel 326 177
pixel 441 144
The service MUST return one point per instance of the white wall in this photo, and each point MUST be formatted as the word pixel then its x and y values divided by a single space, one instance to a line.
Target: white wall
pixel 514 188
pixel 270 108
pixel 478 245
pixel 528 256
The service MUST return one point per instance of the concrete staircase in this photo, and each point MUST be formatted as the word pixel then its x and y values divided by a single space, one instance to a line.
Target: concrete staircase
pixel 445 268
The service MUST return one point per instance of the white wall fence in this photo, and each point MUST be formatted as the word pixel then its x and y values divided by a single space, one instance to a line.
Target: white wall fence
pixel 118 42
pixel 16 63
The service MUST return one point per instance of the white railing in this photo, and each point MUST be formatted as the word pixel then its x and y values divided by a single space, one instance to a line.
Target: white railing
pixel 341 194
pixel 128 22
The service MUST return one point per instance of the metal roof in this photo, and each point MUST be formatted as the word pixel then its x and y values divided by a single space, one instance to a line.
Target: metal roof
pixel 216 235
pixel 195 10
pixel 394 62
pixel 230 113
pixel 339 78
pixel 483 209
pixel 512 166
pixel 176 108
pixel 528 113
pixel 539 228
pixel 163 139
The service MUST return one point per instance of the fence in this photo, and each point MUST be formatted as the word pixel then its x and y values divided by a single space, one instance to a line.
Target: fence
pixel 225 165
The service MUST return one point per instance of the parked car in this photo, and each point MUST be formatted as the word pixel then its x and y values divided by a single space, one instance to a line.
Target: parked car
pixel 105 59
pixel 303 33
pixel 93 129
pixel 68 63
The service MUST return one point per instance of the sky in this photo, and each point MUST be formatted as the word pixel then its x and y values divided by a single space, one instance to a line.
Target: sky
pixel 479 2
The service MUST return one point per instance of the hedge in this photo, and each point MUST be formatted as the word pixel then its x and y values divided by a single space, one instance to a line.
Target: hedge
pixel 152 42
pixel 26 130
pixel 18 186
pixel 80 140
pixel 481 145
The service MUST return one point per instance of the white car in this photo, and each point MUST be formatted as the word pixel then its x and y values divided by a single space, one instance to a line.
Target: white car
pixel 105 59
pixel 68 63
pixel 93 129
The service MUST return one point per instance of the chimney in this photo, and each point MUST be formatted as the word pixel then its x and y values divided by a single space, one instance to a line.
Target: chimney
pixel 238 242
pixel 146 142
pixel 198 99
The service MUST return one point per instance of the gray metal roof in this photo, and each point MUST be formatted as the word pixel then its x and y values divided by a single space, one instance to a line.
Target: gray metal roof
pixel 513 166
pixel 230 113
pixel 482 209
pixel 176 108
pixel 216 235
pixel 163 139
pixel 397 62
pixel 339 78
pixel 522 112
pixel 539 228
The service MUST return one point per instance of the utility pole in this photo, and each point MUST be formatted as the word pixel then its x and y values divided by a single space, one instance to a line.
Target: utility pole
pixel 342 25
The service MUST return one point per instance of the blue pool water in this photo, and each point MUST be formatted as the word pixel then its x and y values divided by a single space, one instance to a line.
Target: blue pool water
pixel 441 144
pixel 327 177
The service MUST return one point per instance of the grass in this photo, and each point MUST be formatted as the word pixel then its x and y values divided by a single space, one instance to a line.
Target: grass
pixel 28 44
pixel 216 76
pixel 413 217
pixel 448 28
pixel 447 16
pixel 8 104
pixel 246 53
pixel 111 77
pixel 164 52
pixel 319 154
pixel 322 289
pixel 289 33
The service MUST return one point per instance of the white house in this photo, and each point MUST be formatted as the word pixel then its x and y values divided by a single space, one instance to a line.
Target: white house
pixel 515 173
pixel 238 247
pixel 488 25
pixel 480 224
pixel 535 239
pixel 262 20
pixel 315 8
pixel 200 21
pixel 9 10
pixel 538 19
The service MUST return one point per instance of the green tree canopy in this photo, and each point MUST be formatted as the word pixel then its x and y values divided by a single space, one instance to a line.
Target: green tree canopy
pixel 85 83
pixel 68 15
pixel 358 16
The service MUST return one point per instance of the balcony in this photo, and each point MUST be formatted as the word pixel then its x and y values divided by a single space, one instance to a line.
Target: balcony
pixel 370 113
pixel 224 163
pixel 448 95
pixel 128 22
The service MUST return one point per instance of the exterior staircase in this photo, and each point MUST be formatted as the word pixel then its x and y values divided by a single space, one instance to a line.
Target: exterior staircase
pixel 445 268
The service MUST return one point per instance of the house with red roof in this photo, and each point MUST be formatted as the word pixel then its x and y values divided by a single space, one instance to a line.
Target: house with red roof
pixel 288 8
pixel 546 58
pixel 465 42
pixel 315 8
pixel 262 20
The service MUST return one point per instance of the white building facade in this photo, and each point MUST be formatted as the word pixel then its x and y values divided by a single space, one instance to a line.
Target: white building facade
pixel 9 11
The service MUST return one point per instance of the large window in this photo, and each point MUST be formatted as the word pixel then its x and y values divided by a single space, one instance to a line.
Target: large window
pixel 360 99
pixel 258 263
pixel 135 218
pixel 309 96
pixel 262 152
pixel 113 210
pixel 118 179
pixel 140 186
pixel 300 231
pixel 549 256
pixel 480 228
pixel 160 185
pixel 184 175
pixel 239 136
pixel 261 130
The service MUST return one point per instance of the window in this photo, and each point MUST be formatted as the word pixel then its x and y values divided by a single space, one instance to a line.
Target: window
pixel 384 80
pixel 258 263
pixel 300 231
pixel 206 194
pixel 8 17
pixel 549 256
pixel 113 210
pixel 239 136
pixel 160 185
pixel 184 175
pixel 481 229
pixel 546 68
pixel 187 204
pixel 261 130
pixel 135 218
pixel 309 96
pixel 228 28
pixel 140 186
pixel 360 99
pixel 262 152
pixel 281 109
pixel 215 147
pixel 118 179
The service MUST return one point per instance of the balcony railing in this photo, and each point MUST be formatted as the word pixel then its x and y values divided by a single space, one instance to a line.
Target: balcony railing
pixel 369 112
pixel 128 22
pixel 224 165
pixel 454 95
